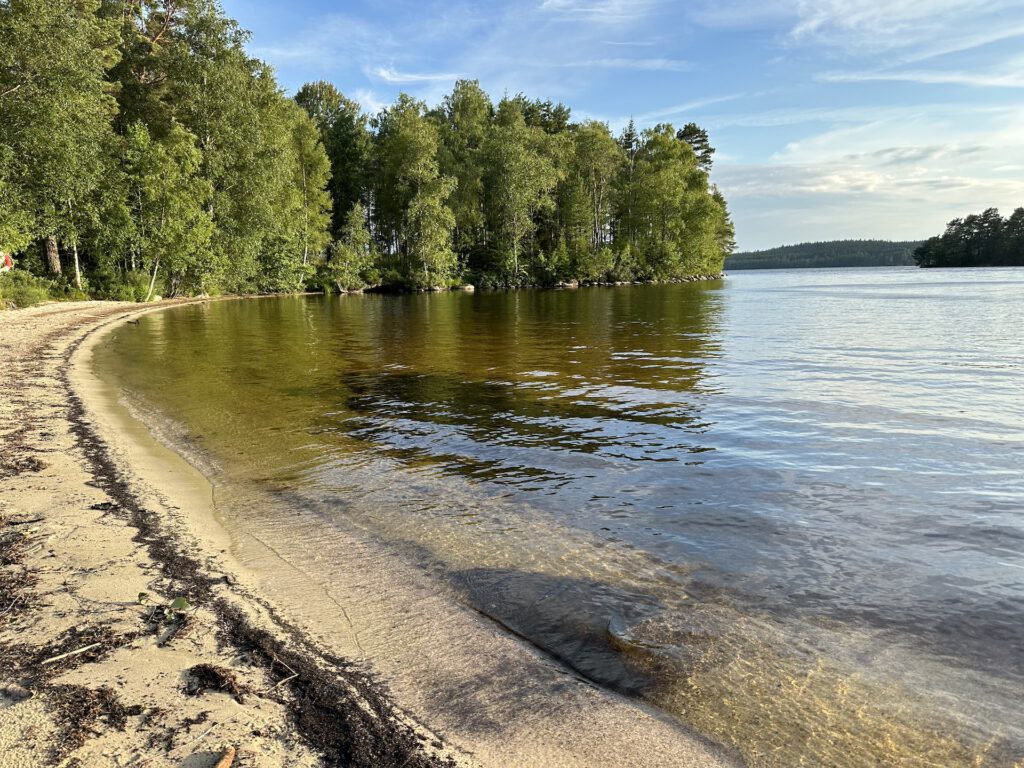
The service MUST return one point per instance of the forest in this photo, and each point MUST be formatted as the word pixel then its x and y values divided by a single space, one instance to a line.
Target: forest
pixel 144 153
pixel 834 254
pixel 979 240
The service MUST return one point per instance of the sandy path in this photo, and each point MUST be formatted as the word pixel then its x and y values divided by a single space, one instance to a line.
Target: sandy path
pixel 88 525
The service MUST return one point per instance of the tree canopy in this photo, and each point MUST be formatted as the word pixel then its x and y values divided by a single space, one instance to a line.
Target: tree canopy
pixel 517 193
pixel 979 240
pixel 143 152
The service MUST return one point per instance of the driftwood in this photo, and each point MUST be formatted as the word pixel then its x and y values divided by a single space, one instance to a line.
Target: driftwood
pixel 227 758
pixel 25 522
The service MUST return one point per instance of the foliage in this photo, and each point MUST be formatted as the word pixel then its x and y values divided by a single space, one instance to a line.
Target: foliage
pixel 166 199
pixel 521 177
pixel 837 253
pixel 517 194
pixel 350 265
pixel 140 137
pixel 345 134
pixel 979 240
pixel 142 145
pixel 55 111
pixel 19 288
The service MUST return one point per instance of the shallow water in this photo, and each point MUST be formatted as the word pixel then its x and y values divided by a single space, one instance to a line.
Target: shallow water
pixel 786 507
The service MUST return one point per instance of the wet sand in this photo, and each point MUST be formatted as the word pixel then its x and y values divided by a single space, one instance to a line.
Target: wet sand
pixel 379 666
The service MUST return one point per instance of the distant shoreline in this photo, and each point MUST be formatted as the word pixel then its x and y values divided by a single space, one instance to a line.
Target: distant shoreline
pixel 833 254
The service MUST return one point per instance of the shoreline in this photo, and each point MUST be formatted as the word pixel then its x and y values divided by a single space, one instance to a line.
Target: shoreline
pixel 317 705
pixel 86 672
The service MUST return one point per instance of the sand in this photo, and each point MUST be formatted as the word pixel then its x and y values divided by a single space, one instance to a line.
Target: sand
pixel 95 513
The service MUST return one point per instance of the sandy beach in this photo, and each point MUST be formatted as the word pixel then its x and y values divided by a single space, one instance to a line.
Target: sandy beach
pixel 132 631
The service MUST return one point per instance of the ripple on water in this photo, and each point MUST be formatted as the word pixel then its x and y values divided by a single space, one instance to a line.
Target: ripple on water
pixel 786 509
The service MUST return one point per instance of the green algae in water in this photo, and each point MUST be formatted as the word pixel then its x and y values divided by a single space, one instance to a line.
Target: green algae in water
pixel 738 681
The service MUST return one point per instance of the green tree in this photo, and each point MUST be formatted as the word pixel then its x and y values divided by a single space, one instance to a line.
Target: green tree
pixel 345 133
pixel 350 266
pixel 15 222
pixel 520 179
pixel 978 240
pixel 626 188
pixel 167 199
pixel 676 223
pixel 465 118
pixel 55 112
pixel 1013 239
pixel 414 224
pixel 726 233
pixel 698 140
pixel 311 176
pixel 596 164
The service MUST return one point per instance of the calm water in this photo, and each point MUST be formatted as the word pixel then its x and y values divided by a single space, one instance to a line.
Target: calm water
pixel 787 508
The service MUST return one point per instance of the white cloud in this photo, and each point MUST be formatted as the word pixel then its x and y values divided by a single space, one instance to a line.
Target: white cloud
pixel 912 30
pixel 895 172
pixel 393 76
pixel 371 102
pixel 630 43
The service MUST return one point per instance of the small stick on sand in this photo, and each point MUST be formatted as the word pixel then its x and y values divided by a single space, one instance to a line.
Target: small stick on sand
pixel 288 679
pixel 83 649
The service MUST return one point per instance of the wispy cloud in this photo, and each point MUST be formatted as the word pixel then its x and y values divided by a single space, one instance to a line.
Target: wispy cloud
pixel 393 76
pixel 645 65
pixel 911 29
pixel 598 10
pixel 630 43
pixel 887 171
pixel 333 41
pixel 970 42
pixel 684 108
pixel 370 101
pixel 1013 77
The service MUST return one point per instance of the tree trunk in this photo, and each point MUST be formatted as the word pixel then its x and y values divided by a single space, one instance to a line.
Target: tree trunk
pixel 305 219
pixel 152 280
pixel 74 249
pixel 78 271
pixel 52 256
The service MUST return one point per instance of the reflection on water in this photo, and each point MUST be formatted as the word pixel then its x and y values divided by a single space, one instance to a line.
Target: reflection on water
pixel 784 507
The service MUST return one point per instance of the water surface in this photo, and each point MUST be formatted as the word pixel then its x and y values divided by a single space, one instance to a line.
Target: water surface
pixel 785 507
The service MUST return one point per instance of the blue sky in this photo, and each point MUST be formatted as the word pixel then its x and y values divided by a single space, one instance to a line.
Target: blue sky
pixel 832 118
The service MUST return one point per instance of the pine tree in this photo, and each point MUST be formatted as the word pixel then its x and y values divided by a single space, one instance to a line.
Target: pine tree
pixel 698 140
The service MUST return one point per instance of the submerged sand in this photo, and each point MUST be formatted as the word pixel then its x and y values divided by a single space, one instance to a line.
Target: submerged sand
pixel 376 666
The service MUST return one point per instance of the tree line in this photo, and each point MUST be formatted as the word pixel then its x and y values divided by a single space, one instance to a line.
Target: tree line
pixel 979 240
pixel 143 153
pixel 832 254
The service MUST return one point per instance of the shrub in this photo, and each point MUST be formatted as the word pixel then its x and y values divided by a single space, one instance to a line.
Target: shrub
pixel 120 286
pixel 18 288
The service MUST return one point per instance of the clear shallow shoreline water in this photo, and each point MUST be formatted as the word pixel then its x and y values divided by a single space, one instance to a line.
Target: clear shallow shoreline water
pixel 784 507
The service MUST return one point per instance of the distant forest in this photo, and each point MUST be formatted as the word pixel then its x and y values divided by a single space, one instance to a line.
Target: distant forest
pixel 837 253
pixel 980 240
pixel 143 152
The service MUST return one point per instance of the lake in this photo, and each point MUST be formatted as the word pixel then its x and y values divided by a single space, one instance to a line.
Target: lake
pixel 787 507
